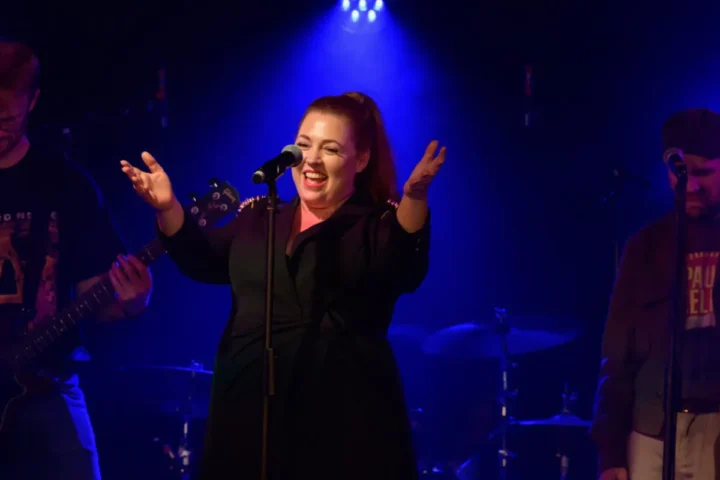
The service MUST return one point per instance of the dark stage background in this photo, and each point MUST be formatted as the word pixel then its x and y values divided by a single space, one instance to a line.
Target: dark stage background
pixel 524 217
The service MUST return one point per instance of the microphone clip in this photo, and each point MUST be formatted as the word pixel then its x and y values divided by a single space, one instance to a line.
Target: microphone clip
pixel 678 167
pixel 674 158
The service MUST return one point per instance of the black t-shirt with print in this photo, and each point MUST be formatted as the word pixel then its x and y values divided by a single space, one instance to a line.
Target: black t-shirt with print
pixel 701 340
pixel 54 232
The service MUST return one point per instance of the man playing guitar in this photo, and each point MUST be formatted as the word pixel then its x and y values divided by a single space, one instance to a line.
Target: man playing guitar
pixel 56 239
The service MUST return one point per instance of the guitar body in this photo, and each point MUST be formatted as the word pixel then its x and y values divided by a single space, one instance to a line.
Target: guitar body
pixel 12 383
pixel 16 381
pixel 27 358
pixel 10 389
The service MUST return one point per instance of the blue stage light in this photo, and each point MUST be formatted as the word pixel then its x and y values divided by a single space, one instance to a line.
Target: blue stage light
pixel 355 7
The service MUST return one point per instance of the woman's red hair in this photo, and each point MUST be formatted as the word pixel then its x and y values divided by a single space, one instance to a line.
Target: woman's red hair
pixel 379 179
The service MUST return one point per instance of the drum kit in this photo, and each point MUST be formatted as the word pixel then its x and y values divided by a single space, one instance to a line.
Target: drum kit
pixel 181 392
pixel 187 389
pixel 500 341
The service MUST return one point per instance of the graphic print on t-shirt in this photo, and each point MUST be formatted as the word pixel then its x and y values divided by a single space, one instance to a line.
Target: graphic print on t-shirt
pixel 14 248
pixel 702 269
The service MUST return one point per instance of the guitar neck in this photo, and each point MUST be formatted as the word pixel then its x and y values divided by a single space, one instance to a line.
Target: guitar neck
pixel 207 210
pixel 101 294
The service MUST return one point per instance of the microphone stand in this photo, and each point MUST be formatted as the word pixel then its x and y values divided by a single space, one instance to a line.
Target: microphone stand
pixel 268 355
pixel 610 200
pixel 673 388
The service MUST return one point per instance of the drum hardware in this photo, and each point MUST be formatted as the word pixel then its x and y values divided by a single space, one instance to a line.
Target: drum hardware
pixel 438 473
pixel 503 329
pixel 185 398
pixel 565 419
pixel 178 461
pixel 499 340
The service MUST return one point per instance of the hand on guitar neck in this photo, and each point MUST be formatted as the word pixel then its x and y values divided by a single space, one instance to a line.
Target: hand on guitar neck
pixel 123 291
pixel 132 281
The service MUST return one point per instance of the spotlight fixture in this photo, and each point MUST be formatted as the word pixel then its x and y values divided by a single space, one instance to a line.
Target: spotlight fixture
pixel 362 10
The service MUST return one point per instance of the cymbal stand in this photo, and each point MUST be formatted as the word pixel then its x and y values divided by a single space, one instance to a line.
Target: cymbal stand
pixel 503 329
pixel 182 456
pixel 562 454
pixel 180 459
pixel 184 449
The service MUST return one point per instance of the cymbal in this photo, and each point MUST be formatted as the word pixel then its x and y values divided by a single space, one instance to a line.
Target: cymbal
pixel 475 340
pixel 407 334
pixel 559 420
pixel 166 389
pixel 196 369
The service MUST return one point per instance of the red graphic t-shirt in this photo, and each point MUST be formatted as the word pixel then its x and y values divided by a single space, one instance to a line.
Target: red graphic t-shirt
pixel 702 269
pixel 701 341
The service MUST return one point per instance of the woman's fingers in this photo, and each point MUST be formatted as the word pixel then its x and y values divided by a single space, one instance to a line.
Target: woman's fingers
pixel 151 163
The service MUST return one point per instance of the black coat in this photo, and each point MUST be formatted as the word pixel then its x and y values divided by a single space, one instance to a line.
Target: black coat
pixel 339 409
pixel 634 350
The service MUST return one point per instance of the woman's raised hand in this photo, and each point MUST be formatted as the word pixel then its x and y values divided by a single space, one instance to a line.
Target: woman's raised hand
pixel 153 186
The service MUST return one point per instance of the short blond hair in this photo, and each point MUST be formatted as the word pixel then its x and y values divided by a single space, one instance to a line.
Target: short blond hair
pixel 19 68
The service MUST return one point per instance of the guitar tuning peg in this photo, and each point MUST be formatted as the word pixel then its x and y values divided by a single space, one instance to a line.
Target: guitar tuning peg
pixel 214 182
pixel 193 197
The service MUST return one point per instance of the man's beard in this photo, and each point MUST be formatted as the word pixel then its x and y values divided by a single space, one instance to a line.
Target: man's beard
pixel 707 213
pixel 15 138
pixel 7 144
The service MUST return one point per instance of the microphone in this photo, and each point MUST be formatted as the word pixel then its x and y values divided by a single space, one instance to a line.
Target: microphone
pixel 291 156
pixel 675 160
